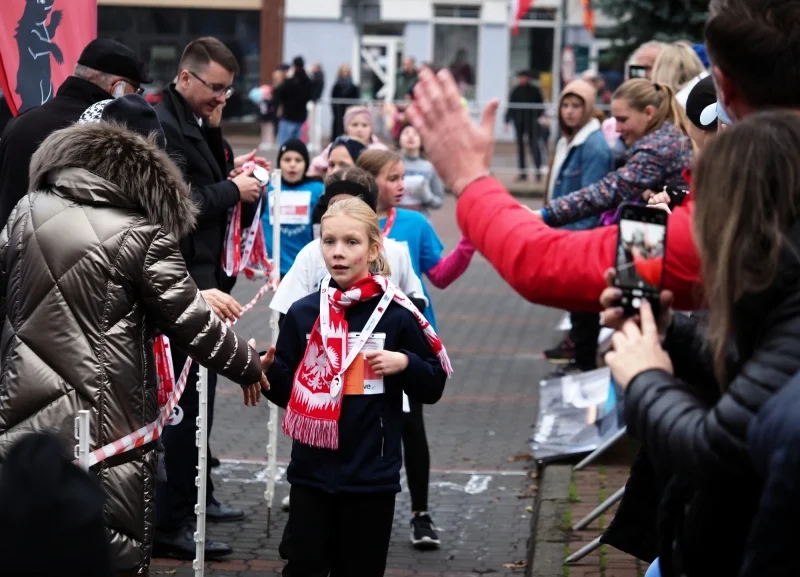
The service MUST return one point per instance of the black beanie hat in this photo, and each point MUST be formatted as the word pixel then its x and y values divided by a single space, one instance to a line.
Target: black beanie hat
pixel 294 145
pixel 47 501
pixel 132 111
pixel 353 146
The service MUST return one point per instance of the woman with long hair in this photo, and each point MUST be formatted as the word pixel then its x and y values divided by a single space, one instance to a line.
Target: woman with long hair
pixel 655 129
pixel 692 393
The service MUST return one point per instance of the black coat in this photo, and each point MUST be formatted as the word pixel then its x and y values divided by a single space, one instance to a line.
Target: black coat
pixel 346 90
pixel 200 154
pixel 294 95
pixel 774 440
pixel 695 438
pixel 369 456
pixel 24 134
pixel 524 118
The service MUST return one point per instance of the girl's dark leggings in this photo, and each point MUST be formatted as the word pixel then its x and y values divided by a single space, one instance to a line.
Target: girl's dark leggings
pixel 417 457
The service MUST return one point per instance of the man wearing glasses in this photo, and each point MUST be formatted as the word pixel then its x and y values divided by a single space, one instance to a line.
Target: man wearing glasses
pixel 203 84
pixel 105 69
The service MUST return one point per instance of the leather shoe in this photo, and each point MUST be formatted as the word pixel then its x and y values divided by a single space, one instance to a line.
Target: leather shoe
pixel 219 513
pixel 180 544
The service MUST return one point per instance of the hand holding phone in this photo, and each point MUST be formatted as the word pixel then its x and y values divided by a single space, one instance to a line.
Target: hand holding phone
pixel 641 249
pixel 613 315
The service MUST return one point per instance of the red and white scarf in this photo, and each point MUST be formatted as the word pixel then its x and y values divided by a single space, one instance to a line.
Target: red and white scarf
pixel 312 415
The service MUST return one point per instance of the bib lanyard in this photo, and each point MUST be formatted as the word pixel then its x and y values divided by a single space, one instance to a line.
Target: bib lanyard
pixel 387 228
pixel 363 337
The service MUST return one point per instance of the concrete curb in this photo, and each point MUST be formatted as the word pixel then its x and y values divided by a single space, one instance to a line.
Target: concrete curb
pixel 550 531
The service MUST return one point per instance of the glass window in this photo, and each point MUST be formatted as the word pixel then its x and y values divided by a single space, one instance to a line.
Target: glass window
pixel 114 19
pixel 532 50
pixel 448 11
pixel 160 20
pixel 455 46
pixel 204 22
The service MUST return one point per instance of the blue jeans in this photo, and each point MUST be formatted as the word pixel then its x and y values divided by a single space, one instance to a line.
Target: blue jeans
pixel 654 570
pixel 288 130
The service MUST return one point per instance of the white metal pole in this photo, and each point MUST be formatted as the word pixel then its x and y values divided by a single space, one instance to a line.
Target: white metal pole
pixel 272 425
pixel 201 440
pixel 83 436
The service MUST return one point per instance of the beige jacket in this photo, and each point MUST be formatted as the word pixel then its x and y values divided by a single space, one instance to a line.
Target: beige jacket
pixel 90 271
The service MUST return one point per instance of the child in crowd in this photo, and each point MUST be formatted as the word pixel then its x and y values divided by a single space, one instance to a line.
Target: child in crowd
pixel 344 358
pixel 582 157
pixel 309 269
pixel 424 188
pixel 358 126
pixel 299 197
pixel 425 248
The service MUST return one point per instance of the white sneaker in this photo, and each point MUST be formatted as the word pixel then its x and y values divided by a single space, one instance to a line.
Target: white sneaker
pixel 285 503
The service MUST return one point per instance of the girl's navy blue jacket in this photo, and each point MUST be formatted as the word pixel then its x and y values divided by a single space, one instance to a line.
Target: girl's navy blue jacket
pixel 369 457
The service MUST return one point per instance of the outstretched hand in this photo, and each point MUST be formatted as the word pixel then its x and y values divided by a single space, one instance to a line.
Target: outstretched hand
pixel 252 393
pixel 460 150
pixel 613 315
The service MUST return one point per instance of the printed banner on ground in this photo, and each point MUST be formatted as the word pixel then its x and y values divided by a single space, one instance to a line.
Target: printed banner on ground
pixel 40 42
pixel 577 413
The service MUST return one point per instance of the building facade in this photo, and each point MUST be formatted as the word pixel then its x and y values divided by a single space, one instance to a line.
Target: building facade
pixel 371 36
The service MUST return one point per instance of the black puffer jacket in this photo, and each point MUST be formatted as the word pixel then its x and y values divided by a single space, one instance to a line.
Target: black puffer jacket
pixel 696 438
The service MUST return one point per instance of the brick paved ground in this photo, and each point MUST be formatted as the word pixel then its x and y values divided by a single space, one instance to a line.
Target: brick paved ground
pixel 480 497
pixel 567 496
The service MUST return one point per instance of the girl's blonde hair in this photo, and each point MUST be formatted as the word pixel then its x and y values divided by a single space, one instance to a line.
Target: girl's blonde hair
pixel 357 209
pixel 676 65
pixel 641 93
pixel 747 201
pixel 373 161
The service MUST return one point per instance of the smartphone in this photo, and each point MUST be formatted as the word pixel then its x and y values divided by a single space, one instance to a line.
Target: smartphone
pixel 637 71
pixel 676 196
pixel 641 250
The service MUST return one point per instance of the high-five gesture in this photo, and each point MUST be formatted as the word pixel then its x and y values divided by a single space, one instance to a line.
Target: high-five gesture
pixel 460 150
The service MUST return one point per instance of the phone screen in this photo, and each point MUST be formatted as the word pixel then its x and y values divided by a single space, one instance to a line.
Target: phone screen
pixel 640 250
pixel 637 72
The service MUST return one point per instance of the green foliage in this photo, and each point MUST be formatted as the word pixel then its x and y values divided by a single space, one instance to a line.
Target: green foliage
pixel 639 21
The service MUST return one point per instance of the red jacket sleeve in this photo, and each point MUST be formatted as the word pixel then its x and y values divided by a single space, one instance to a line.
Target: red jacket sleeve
pixel 560 268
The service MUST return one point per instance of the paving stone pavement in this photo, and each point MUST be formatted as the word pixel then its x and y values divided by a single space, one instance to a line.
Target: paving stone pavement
pixel 480 497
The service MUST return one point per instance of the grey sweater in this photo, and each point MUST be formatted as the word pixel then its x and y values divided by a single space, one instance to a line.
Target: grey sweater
pixel 424 189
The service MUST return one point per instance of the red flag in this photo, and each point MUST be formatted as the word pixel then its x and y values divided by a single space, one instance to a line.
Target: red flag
pixel 588 15
pixel 40 42
pixel 518 10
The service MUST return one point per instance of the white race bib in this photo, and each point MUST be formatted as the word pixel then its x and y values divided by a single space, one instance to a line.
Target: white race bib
pixel 295 208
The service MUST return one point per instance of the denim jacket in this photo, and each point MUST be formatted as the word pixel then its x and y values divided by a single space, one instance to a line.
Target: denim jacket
pixel 583 161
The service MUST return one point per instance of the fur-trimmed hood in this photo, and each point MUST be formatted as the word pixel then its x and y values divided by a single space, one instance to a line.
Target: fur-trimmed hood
pixel 104 163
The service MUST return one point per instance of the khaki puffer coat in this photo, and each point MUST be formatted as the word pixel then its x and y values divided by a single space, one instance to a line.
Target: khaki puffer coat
pixel 90 271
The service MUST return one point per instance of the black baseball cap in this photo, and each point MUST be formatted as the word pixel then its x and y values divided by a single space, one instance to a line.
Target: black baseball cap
pixel 701 97
pixel 112 57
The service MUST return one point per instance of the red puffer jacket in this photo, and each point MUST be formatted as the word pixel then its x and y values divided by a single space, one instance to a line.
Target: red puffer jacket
pixel 561 268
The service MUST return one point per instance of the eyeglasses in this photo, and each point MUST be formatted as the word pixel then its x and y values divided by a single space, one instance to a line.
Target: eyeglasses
pixel 216 89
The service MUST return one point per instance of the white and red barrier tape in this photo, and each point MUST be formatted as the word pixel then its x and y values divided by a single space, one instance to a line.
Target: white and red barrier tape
pixel 169 393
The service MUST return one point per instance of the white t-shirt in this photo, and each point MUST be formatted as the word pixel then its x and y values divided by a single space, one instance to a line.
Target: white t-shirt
pixel 309 269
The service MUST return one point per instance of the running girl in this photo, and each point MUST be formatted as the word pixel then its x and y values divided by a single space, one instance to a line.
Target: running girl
pixel 425 248
pixel 342 388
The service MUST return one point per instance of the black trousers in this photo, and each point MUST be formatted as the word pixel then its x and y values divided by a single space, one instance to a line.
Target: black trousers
pixel 417 457
pixel 584 333
pixel 176 498
pixel 532 131
pixel 345 535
